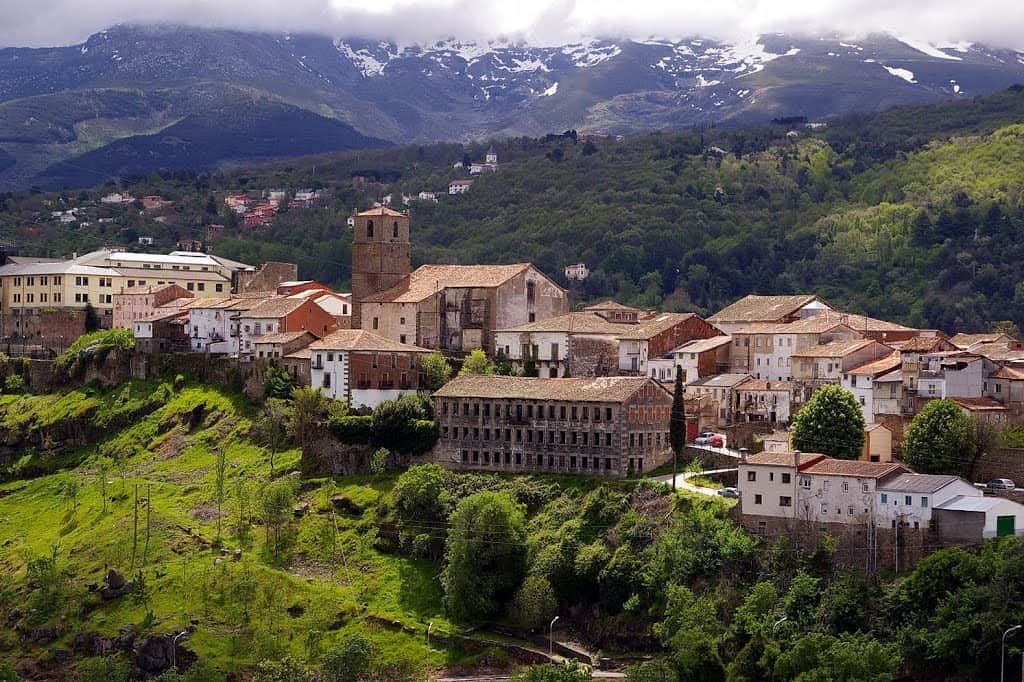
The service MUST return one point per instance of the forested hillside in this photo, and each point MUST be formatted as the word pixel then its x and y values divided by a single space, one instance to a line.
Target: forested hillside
pixel 180 519
pixel 913 215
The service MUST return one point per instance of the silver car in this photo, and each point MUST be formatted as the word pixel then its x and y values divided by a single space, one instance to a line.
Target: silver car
pixel 704 438
pixel 1001 484
pixel 731 493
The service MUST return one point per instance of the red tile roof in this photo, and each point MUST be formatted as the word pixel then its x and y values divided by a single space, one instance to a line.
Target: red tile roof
pixel 784 459
pixel 878 367
pixel 980 404
pixel 853 467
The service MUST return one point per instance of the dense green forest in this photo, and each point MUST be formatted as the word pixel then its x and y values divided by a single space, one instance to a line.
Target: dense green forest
pixel 914 214
pixel 192 495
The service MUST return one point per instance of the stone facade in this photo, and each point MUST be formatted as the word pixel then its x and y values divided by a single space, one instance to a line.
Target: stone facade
pixel 380 255
pixel 267 278
pixel 556 426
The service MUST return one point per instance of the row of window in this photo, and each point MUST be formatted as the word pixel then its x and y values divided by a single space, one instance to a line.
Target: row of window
pixel 579 438
pixel 527 411
pixel 908 500
pixel 563 438
pixel 31 298
pixel 499 458
pixel 44 280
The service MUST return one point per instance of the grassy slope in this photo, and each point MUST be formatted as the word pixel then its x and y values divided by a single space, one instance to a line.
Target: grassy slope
pixel 241 607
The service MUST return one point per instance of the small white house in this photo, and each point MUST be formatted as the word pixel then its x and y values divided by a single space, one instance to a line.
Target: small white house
pixel 459 186
pixel 577 272
pixel 909 498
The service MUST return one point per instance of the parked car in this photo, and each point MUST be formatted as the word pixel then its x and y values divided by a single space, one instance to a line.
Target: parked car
pixel 1001 484
pixel 717 441
pixel 704 438
pixel 731 493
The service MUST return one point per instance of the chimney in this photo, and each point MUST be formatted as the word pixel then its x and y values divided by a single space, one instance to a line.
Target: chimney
pixel 796 459
pixel 743 455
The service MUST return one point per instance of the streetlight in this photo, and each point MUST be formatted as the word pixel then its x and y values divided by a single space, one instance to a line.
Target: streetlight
pixel 779 622
pixel 551 636
pixel 429 626
pixel 174 649
pixel 1002 652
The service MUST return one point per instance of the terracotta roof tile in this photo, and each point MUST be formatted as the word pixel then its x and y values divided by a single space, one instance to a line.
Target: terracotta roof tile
pixel 362 340
pixel 784 459
pixel 765 385
pixel 835 349
pixel 1012 373
pixel 284 337
pixel 853 467
pixel 646 329
pixel 382 211
pixel 426 280
pixel 594 389
pixel 965 341
pixel 612 305
pixel 755 308
pixel 878 367
pixel 275 308
pixel 578 323
pixel 980 404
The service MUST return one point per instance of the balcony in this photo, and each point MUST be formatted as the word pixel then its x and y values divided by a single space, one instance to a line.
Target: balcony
pixel 317 365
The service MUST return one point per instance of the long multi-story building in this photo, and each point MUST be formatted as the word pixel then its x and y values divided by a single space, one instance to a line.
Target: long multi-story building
pixel 606 426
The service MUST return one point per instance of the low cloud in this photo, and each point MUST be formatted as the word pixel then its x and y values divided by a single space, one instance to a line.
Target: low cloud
pixel 65 22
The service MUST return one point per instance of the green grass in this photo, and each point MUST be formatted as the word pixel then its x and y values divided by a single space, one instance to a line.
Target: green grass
pixel 261 606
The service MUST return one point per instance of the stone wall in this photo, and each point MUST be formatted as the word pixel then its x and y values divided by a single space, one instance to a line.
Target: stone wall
pixel 267 278
pixel 590 356
pixel 870 548
pixel 1000 463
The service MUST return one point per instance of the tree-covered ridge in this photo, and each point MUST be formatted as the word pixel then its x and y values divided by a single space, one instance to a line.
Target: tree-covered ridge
pixel 912 215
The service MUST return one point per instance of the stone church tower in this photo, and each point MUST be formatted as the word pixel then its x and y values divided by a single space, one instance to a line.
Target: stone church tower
pixel 380 255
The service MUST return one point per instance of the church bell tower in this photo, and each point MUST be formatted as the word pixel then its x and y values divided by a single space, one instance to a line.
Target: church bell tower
pixel 380 255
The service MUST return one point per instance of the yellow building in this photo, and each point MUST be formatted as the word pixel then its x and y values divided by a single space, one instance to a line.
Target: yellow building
pixel 46 302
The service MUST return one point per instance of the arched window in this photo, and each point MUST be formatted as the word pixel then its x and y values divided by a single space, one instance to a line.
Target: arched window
pixel 369 228
pixel 394 230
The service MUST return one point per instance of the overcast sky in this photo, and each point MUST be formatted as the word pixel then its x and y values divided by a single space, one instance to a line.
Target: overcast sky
pixel 66 22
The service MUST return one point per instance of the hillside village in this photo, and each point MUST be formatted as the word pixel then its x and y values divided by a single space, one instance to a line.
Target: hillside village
pixel 577 389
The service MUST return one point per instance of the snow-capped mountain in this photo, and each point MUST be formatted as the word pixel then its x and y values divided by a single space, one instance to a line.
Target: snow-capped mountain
pixel 456 89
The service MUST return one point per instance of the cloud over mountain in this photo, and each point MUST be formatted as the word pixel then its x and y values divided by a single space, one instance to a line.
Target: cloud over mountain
pixel 995 22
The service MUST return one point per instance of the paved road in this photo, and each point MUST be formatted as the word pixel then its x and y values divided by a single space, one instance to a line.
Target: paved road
pixel 596 675
pixel 683 483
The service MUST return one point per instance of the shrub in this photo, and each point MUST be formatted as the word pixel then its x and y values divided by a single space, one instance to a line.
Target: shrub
pixel 535 603
pixel 279 384
pixel 352 429
pixel 285 670
pixel 14 384
pixel 104 669
pixel 349 662
pixel 96 345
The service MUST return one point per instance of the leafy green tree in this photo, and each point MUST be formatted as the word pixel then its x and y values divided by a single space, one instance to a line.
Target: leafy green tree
pixel 309 411
pixel 220 485
pixel 476 363
pixel 421 508
pixel 677 423
pixel 484 555
pixel 8 673
pixel 437 370
pixel 940 440
pixel 832 423
pixel 535 603
pixel 92 319
pixel 273 426
pixel 395 425
pixel 277 383
pixel 277 501
pixel 817 657
pixel 349 661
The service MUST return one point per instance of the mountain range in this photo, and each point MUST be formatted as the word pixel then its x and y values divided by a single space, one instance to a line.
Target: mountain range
pixel 132 99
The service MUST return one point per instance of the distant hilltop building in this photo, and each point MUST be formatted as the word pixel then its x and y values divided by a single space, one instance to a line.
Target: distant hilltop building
pixel 577 272
pixel 459 186
pixel 489 165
